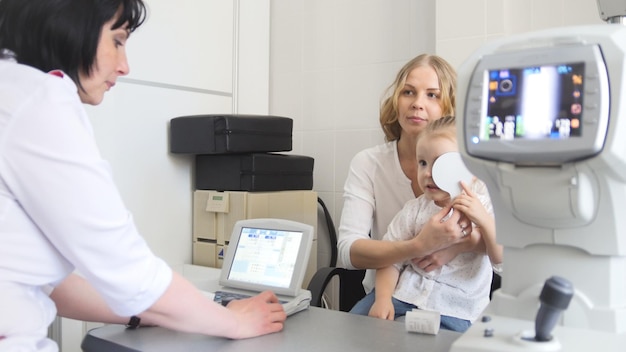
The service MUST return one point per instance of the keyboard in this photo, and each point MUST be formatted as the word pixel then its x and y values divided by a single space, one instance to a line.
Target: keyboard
pixel 223 297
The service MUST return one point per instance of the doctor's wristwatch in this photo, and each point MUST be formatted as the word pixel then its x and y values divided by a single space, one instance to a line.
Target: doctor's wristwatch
pixel 133 323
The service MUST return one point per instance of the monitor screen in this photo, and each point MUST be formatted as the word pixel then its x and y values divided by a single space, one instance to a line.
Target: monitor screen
pixel 265 256
pixel 535 102
pixel 541 106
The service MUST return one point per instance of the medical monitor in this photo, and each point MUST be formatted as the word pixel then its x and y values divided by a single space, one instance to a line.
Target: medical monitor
pixel 267 254
pixel 539 106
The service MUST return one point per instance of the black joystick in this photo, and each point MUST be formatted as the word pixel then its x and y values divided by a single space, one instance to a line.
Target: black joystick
pixel 555 296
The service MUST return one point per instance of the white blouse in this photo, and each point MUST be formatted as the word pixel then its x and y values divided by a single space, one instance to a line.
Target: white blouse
pixel 459 288
pixel 60 210
pixel 375 190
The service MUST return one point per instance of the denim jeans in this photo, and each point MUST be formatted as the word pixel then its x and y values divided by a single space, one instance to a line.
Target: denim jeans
pixel 363 307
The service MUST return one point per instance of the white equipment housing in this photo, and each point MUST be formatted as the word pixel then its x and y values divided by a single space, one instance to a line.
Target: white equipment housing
pixel 542 121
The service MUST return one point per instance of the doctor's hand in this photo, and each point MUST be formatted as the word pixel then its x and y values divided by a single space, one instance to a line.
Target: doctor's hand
pixel 258 315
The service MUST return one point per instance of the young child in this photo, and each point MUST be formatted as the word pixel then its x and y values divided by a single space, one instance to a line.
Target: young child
pixel 459 290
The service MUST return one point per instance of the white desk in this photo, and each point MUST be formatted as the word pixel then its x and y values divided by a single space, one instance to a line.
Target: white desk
pixel 311 330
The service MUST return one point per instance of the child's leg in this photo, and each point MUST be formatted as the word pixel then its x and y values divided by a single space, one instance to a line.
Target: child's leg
pixel 454 324
pixel 400 308
pixel 363 306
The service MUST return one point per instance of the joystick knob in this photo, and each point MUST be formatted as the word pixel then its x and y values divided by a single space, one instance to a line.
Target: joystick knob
pixel 555 296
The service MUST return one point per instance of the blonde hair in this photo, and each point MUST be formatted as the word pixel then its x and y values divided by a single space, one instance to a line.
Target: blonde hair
pixel 447 83
pixel 444 127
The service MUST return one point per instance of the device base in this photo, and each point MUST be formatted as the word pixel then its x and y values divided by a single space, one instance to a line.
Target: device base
pixel 501 334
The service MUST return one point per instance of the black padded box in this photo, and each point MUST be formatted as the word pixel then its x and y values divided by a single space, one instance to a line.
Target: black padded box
pixel 227 134
pixel 254 172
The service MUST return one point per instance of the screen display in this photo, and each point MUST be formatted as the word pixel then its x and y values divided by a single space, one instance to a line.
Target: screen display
pixel 266 256
pixel 538 102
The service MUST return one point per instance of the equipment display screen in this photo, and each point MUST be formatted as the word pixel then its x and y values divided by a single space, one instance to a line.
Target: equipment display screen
pixel 266 256
pixel 536 102
pixel 539 106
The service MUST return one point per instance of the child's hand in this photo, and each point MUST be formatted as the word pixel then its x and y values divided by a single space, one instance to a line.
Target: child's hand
pixel 469 204
pixel 383 309
pixel 436 259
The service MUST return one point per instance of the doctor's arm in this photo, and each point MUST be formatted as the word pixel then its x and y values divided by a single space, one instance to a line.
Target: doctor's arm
pixel 76 299
pixel 182 307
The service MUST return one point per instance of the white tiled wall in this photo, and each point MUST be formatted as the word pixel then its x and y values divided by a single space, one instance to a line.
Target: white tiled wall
pixel 329 64
pixel 464 25
pixel 331 61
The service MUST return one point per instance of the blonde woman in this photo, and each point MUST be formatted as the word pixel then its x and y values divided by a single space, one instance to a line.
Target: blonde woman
pixel 383 178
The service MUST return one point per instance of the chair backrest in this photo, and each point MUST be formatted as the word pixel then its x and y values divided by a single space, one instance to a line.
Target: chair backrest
pixel 350 281
pixel 496 283
pixel 326 236
pixel 350 286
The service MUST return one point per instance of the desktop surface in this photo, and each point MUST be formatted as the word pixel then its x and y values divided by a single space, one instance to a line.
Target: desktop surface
pixel 315 329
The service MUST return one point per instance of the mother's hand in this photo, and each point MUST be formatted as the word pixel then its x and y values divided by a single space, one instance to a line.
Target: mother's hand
pixel 470 240
pixel 436 260
pixel 443 230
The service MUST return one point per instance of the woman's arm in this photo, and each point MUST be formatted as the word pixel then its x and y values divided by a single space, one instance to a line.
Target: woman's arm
pixel 182 307
pixel 371 199
pixel 356 219
pixel 472 243
pixel 375 254
pixel 436 235
pixel 75 298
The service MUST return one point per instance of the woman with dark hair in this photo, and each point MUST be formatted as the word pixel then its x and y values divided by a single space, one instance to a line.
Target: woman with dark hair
pixel 60 211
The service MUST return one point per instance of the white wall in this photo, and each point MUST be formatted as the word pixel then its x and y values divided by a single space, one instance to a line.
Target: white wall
pixel 190 57
pixel 331 61
pixel 464 25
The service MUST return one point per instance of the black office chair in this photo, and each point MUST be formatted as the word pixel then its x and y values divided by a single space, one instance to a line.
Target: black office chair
pixel 350 286
pixel 496 283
